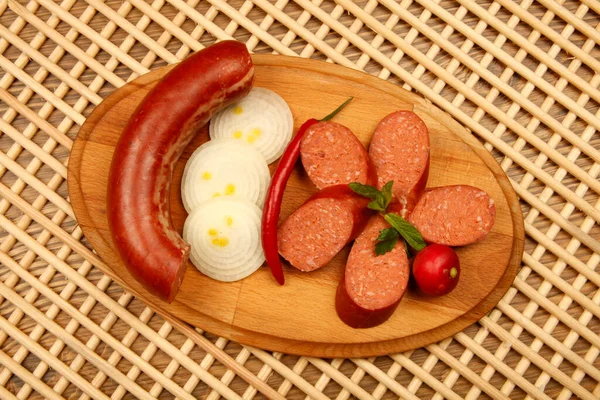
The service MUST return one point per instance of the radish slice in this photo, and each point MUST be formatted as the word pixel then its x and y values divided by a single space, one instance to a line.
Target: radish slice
pixel 262 118
pixel 224 167
pixel 224 235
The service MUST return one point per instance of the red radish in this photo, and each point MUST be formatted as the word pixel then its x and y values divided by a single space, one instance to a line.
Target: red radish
pixel 436 269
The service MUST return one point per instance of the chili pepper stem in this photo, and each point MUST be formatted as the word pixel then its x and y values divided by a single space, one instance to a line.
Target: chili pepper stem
pixel 337 110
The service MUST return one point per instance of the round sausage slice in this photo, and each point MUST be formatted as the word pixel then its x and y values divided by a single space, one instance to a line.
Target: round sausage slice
pixel 400 152
pixel 321 227
pixel 332 155
pixel 454 215
pixel 372 285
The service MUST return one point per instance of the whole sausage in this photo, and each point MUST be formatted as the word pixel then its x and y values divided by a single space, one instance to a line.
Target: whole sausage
pixel 454 215
pixel 142 165
pixel 400 152
pixel 332 155
pixel 372 286
pixel 329 220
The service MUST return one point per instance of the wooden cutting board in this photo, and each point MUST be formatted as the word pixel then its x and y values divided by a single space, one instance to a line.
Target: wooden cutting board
pixel 299 317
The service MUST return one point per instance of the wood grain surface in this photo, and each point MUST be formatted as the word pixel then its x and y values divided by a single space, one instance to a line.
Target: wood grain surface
pixel 299 317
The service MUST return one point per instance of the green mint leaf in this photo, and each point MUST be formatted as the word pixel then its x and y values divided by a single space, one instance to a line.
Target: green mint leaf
pixel 383 247
pixel 375 205
pixel 406 230
pixel 382 202
pixel 387 234
pixel 379 199
pixel 367 191
pixel 386 192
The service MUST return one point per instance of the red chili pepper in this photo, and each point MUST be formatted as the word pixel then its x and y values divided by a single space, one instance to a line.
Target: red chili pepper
pixel 270 218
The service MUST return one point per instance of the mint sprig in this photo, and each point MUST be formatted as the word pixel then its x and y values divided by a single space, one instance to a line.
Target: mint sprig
pixel 380 199
pixel 388 237
pixel 386 193
pixel 407 230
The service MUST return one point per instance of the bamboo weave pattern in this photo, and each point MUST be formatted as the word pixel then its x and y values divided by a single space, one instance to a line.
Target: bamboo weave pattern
pixel 523 76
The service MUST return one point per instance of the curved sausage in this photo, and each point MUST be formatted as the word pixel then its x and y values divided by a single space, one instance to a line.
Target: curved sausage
pixel 400 151
pixel 332 155
pixel 372 285
pixel 144 158
pixel 454 215
pixel 321 227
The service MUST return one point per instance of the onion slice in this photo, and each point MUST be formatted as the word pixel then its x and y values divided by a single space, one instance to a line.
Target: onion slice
pixel 224 234
pixel 224 167
pixel 262 118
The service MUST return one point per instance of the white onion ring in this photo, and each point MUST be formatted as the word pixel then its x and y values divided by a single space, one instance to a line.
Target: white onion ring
pixel 261 109
pixel 221 250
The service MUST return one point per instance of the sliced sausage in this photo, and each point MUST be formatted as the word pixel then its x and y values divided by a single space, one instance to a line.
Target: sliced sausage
pixel 400 152
pixel 142 165
pixel 454 215
pixel 332 155
pixel 372 285
pixel 310 237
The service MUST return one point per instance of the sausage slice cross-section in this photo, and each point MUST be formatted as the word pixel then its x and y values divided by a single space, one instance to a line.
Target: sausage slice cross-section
pixel 454 215
pixel 332 155
pixel 329 220
pixel 400 152
pixel 372 285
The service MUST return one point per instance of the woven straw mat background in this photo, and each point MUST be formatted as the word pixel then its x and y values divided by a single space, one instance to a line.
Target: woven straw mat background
pixel 523 76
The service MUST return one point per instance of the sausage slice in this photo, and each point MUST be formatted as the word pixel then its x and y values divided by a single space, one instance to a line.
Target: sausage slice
pixel 400 152
pixel 372 285
pixel 454 215
pixel 321 227
pixel 332 155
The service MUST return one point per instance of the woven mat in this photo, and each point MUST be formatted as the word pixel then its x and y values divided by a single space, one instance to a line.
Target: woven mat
pixel 522 76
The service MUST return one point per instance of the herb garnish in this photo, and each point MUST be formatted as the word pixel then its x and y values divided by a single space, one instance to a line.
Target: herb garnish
pixel 400 227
